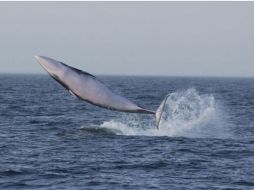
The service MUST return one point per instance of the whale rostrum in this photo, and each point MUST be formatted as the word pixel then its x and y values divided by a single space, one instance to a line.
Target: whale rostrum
pixel 87 87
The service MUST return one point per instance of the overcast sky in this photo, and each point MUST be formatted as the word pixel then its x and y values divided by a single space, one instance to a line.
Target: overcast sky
pixel 131 38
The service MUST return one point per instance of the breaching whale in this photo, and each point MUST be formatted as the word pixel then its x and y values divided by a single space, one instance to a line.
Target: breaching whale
pixel 87 87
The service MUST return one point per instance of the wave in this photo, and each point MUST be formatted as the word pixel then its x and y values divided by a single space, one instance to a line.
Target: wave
pixel 186 114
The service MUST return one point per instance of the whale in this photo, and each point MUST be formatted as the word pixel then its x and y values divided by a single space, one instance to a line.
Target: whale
pixel 89 88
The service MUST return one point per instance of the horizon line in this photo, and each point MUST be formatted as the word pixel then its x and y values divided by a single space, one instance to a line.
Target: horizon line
pixel 141 75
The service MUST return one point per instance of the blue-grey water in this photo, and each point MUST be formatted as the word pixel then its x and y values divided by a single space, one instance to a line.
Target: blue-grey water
pixel 51 140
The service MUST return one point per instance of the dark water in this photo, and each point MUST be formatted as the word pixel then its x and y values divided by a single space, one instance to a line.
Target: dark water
pixel 50 140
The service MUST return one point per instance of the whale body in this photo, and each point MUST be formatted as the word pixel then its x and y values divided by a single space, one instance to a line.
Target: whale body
pixel 87 87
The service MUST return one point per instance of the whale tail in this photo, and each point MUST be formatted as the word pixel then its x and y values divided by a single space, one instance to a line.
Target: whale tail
pixel 159 111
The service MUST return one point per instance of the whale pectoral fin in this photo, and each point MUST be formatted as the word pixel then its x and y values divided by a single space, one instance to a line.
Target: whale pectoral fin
pixel 73 94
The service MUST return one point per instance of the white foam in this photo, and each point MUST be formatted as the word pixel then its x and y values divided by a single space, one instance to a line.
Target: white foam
pixel 187 114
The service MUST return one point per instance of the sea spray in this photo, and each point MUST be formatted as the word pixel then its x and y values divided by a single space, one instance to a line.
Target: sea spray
pixel 186 113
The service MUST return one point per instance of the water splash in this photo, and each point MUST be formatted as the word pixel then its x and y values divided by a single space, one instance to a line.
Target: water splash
pixel 186 113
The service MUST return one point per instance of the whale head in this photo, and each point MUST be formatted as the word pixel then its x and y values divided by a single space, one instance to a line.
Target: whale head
pixel 55 68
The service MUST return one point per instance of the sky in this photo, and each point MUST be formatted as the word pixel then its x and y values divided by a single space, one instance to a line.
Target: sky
pixel 130 38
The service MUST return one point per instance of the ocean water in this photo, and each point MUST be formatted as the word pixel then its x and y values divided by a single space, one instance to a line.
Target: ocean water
pixel 51 140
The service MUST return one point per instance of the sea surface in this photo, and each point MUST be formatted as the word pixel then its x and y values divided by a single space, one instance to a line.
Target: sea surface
pixel 51 140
